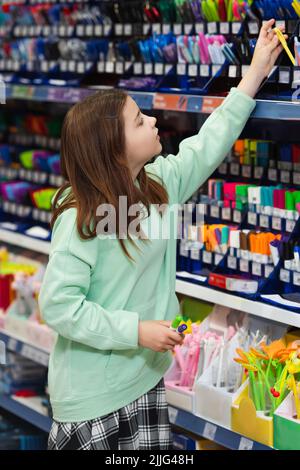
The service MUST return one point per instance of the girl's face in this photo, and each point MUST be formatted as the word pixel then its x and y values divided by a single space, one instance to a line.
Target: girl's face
pixel 142 139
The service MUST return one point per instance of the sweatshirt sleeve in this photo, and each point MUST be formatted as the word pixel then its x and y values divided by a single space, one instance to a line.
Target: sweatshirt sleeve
pixel 201 154
pixel 62 299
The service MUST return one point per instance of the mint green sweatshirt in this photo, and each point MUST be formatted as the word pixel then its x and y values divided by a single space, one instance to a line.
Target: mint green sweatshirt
pixel 94 297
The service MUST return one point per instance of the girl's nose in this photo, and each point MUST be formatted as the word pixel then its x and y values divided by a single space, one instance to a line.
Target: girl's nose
pixel 154 120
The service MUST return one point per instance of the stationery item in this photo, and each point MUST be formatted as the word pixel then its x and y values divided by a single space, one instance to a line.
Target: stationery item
pixel 235 283
pixel 284 44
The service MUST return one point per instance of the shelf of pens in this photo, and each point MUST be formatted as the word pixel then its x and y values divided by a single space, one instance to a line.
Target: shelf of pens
pixel 28 183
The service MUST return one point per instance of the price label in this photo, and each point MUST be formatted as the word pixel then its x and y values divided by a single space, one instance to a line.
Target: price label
pixel 159 69
pixel 172 414
pixel 181 69
pixel 89 30
pixel 232 71
pixel 209 431
pixel 264 221
pixel 234 169
pixel 290 225
pixel 226 213
pixel 284 76
pixel 188 28
pixel 284 275
pixel 119 68
pixel 272 174
pixel 44 66
pixel 72 66
pixel 237 216
pixel 253 27
pixel 215 211
pixel 246 171
pixel 296 178
pixel 168 68
pixel 80 30
pixel 35 355
pixel 207 257
pixel 118 29
pixel 193 70
pixel 245 444
pixel 285 176
pixel 232 262
pixel 80 67
pixel 212 28
pixel 199 28
pixel 99 30
pixel 156 28
pixel 218 258
pixel 296 278
pixel 12 344
pixel 252 218
pixel 177 29
pixel 244 265
pixel 256 269
pixel 276 223
pixel 280 24
pixel 128 29
pixel 107 29
pixel 148 69
pixel 109 67
pixel 204 71
pixel 184 251
pixel 63 66
pixel 70 30
pixel 258 172
pixel 223 169
pixel 215 69
pixel 100 67
pixel 62 30
pixel 235 27
pixel 195 254
pixel 268 270
pixel 146 29
pixel 137 68
pixel 224 28
pixel 166 28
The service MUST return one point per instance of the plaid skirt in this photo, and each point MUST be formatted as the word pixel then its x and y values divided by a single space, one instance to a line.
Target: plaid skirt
pixel 141 425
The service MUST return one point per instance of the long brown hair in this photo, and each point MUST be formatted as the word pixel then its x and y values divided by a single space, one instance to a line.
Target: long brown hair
pixel 95 167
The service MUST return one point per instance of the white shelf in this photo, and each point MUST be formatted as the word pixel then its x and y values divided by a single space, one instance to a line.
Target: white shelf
pixel 249 306
pixel 24 241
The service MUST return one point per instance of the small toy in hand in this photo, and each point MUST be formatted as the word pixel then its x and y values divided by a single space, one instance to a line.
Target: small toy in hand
pixel 181 325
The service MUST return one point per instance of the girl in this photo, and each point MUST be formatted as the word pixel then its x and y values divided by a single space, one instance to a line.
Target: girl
pixel 111 298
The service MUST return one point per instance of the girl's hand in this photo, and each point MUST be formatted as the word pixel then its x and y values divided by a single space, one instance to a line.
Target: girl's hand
pixel 157 335
pixel 267 50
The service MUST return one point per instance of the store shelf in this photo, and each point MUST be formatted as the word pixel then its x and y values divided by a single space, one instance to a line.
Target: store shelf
pixel 25 348
pixel 29 409
pixel 228 300
pixel 266 109
pixel 202 428
pixel 24 241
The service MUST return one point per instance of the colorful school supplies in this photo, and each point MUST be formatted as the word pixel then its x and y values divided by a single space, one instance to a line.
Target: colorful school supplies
pixel 271 370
